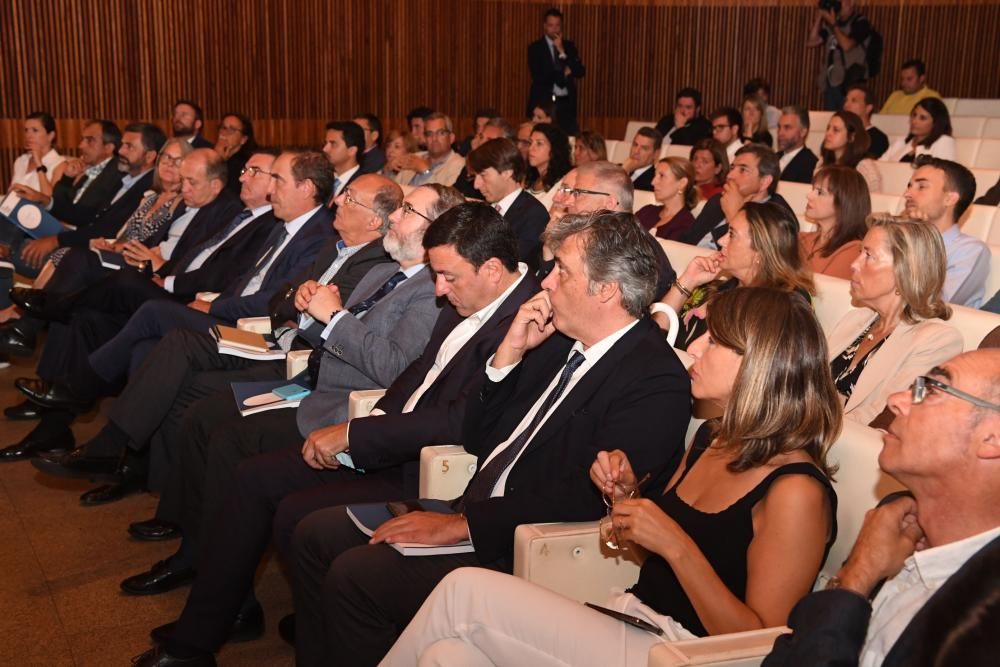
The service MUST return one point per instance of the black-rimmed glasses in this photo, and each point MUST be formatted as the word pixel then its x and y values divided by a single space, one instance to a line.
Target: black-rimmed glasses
pixel 918 392
pixel 576 192
pixel 254 172
pixel 408 209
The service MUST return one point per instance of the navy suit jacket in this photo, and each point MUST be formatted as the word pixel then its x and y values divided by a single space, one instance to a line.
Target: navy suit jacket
pixel 95 198
pixel 545 73
pixel 110 219
pixel 294 258
pixel 800 169
pixel 527 217
pixel 209 220
pixel 645 181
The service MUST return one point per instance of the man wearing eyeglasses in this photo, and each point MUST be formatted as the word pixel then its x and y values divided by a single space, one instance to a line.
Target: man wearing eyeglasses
pixel 372 158
pixel 929 558
pixel 727 126
pixel 440 164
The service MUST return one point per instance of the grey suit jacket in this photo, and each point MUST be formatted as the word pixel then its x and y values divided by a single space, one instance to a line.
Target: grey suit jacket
pixel 371 351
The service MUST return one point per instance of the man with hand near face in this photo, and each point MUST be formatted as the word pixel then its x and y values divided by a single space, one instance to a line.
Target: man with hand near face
pixel 686 126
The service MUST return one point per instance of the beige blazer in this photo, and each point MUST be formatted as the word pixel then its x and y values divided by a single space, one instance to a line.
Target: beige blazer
pixel 446 174
pixel 909 351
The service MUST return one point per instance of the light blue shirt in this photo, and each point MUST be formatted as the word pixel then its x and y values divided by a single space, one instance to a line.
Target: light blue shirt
pixel 127 182
pixel 968 268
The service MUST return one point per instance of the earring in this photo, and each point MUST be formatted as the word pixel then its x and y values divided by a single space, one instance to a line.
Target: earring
pixel 897 292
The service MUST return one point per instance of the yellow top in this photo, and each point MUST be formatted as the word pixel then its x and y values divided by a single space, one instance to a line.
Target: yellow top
pixel 900 102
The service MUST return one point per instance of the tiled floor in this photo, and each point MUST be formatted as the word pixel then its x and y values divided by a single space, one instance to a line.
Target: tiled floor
pixel 60 564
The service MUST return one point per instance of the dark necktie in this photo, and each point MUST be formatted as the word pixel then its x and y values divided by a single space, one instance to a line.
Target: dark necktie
pixel 217 238
pixel 316 356
pixel 278 237
pixel 481 485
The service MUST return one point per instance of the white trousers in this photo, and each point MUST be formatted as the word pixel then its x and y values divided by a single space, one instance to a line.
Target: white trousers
pixel 480 618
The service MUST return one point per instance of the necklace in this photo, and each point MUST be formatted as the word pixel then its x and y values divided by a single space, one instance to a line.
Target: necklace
pixel 868 333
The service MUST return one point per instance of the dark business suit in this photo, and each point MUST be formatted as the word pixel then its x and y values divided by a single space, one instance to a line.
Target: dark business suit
pixel 527 217
pixel 697 128
pixel 234 168
pixel 372 161
pixel 830 626
pixel 156 318
pixel 95 198
pixel 111 218
pixel 645 180
pixel 547 70
pixel 201 142
pixel 713 220
pixel 279 488
pixel 800 169
pixel 637 397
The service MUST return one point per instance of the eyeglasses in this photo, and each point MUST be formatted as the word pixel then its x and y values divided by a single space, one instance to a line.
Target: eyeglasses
pixel 408 209
pixel 230 128
pixel 576 192
pixel 609 534
pixel 349 198
pixel 254 172
pixel 443 132
pixel 171 160
pixel 918 392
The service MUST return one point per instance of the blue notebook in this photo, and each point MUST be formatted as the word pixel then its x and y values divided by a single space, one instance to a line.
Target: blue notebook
pixel 29 217
pixel 269 394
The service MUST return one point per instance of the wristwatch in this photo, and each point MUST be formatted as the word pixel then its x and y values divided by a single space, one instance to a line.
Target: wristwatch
pixel 42 169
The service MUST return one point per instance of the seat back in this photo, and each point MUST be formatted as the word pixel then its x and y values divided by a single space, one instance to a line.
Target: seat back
pixel 892 123
pixel 818 120
pixel 895 177
pixel 968 126
pixel 977 221
pixel 965 106
pixel 832 300
pixel 672 150
pixel 794 194
pixel 814 141
pixel 547 196
pixel 988 156
pixel 859 484
pixel 966 150
pixel 633 127
pixel 994 236
pixel 985 179
pixel 642 198
pixel 620 153
pixel 886 202
pixel 991 128
pixel 681 254
pixel 972 323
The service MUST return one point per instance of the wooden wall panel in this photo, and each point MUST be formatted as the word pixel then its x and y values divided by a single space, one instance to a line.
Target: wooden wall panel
pixel 291 65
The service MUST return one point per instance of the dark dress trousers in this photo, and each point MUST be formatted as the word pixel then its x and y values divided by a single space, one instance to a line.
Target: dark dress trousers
pixel 829 627
pixel 278 488
pixel 547 71
pixel 636 397
pixel 697 128
pixel 94 199
pixel 528 217
pixel 800 169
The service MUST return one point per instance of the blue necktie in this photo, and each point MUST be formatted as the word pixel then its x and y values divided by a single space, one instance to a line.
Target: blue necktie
pixel 481 485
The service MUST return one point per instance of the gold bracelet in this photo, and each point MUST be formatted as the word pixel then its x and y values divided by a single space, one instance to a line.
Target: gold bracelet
pixel 683 290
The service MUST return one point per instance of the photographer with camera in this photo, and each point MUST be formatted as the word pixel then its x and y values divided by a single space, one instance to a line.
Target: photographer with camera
pixel 843 32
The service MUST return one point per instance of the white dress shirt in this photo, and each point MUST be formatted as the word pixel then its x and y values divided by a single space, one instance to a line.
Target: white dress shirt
pixel 504 204
pixel 591 356
pixel 292 227
pixel 342 179
pixel 174 232
pixel 905 594
pixel 788 157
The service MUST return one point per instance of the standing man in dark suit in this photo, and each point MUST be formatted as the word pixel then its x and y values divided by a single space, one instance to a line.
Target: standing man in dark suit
pixel 937 549
pixel 580 366
pixel 686 126
pixel 187 123
pixel 555 66
pixel 797 162
pixel 136 156
pixel 498 170
pixel 644 152
pixel 753 176
pixel 372 158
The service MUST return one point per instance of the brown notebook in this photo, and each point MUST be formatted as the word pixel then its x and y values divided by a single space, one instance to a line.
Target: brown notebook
pixel 239 339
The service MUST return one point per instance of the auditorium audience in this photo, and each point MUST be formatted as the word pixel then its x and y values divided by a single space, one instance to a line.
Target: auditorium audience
pixel 399 144
pixel 727 129
pixel 936 548
pixel 839 205
pixel 753 176
pixel 589 147
pixel 494 128
pixel 930 134
pixel 372 158
pixel 676 194
pixel 235 143
pixel 759 249
pixel 939 192
pixel 860 102
pixel 475 140
pixel 686 126
pixel 731 543
pixel 846 143
pixel 711 165
pixel 543 112
pixel 548 158
pixel 187 123
pixel 643 153
pixel 524 138
pixel 796 161
pixel 415 121
pixel 912 88
pixel 762 89
pixel 754 128
pixel 897 330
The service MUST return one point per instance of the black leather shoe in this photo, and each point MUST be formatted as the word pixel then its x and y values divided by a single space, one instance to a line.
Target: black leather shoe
pixel 248 626
pixel 32 445
pixel 40 303
pixel 51 395
pixel 160 578
pixel 113 492
pixel 158 657
pixel 77 465
pixel 15 342
pixel 154 530
pixel 286 629
pixel 24 411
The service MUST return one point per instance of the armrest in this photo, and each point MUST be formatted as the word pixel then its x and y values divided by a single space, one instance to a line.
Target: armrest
pixel 207 296
pixel 445 471
pixel 739 649
pixel 261 325
pixel 296 361
pixel 570 559
pixel 361 402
